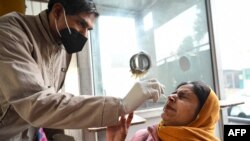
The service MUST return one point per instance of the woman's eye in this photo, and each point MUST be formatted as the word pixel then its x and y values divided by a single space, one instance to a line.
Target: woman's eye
pixel 181 96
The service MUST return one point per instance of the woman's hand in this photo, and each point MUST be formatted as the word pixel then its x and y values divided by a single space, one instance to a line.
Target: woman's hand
pixel 119 132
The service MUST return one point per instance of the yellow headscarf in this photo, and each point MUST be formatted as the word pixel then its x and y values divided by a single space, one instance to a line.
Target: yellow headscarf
pixel 201 129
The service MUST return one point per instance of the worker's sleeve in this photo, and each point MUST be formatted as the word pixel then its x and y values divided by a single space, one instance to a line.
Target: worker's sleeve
pixel 22 85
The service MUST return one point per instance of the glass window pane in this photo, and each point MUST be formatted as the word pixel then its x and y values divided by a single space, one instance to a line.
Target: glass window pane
pixel 34 7
pixel 176 40
pixel 232 30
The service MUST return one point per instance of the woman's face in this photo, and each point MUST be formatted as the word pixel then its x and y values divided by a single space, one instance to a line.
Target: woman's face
pixel 181 107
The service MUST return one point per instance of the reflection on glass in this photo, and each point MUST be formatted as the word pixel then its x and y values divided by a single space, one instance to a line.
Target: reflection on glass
pixel 165 32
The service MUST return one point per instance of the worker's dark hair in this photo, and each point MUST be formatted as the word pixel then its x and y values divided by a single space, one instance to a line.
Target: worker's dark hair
pixel 200 89
pixel 73 7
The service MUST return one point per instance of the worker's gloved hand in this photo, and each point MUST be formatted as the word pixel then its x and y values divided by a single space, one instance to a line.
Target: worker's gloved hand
pixel 140 92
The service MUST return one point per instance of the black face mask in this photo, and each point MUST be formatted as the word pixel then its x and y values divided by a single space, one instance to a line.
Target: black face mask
pixel 74 41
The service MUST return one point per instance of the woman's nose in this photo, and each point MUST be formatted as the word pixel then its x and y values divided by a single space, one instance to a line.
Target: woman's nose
pixel 172 97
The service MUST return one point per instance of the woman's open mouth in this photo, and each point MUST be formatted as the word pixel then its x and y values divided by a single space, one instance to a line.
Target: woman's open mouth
pixel 168 107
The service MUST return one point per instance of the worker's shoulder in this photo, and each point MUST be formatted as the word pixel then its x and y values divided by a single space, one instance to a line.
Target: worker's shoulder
pixel 15 18
pixel 12 16
pixel 15 23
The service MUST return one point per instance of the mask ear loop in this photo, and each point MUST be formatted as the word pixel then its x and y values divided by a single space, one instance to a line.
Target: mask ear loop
pixel 57 29
pixel 66 21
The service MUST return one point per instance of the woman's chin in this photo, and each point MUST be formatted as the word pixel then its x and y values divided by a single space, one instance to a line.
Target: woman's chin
pixel 164 122
pixel 164 116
